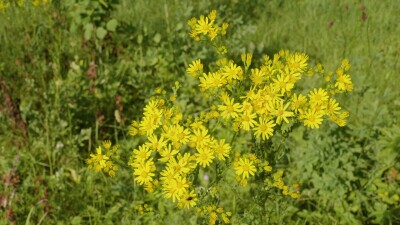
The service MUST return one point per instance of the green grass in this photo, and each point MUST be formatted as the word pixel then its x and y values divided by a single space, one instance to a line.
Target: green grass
pixel 44 62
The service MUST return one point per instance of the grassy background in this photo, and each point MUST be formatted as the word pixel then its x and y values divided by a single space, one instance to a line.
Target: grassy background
pixel 55 109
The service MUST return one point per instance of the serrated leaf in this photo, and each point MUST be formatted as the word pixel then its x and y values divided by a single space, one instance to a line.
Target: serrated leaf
pixel 101 33
pixel 112 25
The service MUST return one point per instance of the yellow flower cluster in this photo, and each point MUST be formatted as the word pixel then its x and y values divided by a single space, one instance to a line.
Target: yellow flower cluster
pixel 206 27
pixel 214 214
pixel 254 99
pixel 21 3
pixel 141 209
pixel 4 5
pixel 172 150
pixel 259 99
pixel 102 162
pixel 277 181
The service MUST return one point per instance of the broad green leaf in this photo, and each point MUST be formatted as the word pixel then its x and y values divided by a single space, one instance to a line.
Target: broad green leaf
pixel 112 25
pixel 88 31
pixel 101 33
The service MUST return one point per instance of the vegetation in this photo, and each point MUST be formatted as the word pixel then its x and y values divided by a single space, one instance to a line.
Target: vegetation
pixel 75 73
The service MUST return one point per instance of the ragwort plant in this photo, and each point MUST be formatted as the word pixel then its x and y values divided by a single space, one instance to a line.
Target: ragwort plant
pixel 247 100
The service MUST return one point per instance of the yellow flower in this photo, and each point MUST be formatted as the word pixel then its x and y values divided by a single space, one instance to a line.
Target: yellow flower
pixel 195 68
pixel 176 188
pixel 312 118
pixel 257 76
pixel 212 15
pixel 204 25
pixel 149 125
pixel 144 173
pixel 180 164
pixel 267 167
pixel 155 143
pixel 283 84
pixel 247 121
pixel 332 107
pixel 141 154
pixel 297 62
pixel 3 5
pixel 212 80
pixel 230 109
pixel 245 168
pixel 107 144
pixel 346 64
pixel 232 72
pixel 297 102
pixel 204 156
pixel 168 174
pixel 97 161
pixel 281 113
pixel 221 149
pixel 343 82
pixel 264 129
pixel 318 97
pixel 188 200
pixel 167 153
pixel 200 138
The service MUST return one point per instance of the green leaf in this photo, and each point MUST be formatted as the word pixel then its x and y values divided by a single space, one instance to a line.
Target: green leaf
pixel 101 33
pixel 112 25
pixel 88 31
pixel 157 38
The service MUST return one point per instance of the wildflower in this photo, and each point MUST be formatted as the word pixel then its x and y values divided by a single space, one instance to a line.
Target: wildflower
pixel 188 200
pixel 148 125
pixel 141 154
pixel 230 109
pixel 224 28
pixel 245 168
pixel 343 82
pixel 247 121
pixel 267 167
pixel 107 144
pixel 312 118
pixel 176 188
pixel 204 156
pixel 3 5
pixel 283 84
pixel 297 102
pixel 205 26
pixel 144 172
pixel 195 68
pixel 180 164
pixel 221 149
pixel 200 138
pixel 281 113
pixel 346 64
pixel 212 80
pixel 182 134
pixel 257 76
pixel 167 153
pixel 156 143
pixel 168 174
pixel 318 97
pixel 213 218
pixel 232 72
pixel 264 129
pixel 97 161
pixel 332 107
pixel 297 62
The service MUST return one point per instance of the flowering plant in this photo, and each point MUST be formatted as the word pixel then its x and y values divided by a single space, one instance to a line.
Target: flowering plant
pixel 249 104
